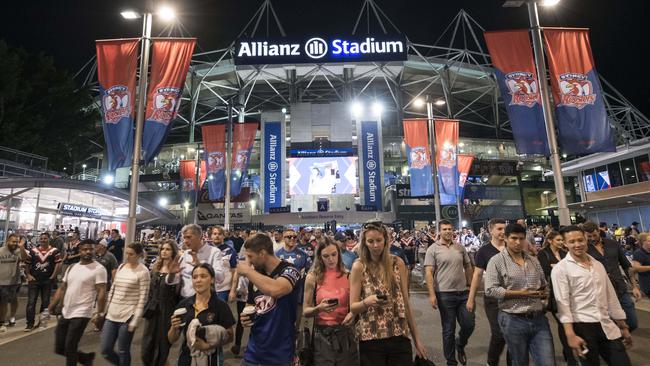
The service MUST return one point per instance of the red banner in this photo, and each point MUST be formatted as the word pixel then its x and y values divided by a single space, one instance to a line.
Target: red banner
pixel 243 138
pixel 169 65
pixel 188 174
pixel 464 165
pixel 416 138
pixel 446 145
pixel 214 144
pixel 116 72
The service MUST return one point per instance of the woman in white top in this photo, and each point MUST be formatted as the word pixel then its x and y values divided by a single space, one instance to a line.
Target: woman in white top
pixel 127 299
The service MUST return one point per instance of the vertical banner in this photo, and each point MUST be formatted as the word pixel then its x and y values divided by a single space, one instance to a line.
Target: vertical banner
pixel 214 146
pixel 371 164
pixel 116 71
pixel 273 161
pixel 419 159
pixel 580 108
pixel 188 179
pixel 464 165
pixel 514 68
pixel 446 145
pixel 169 65
pixel 242 143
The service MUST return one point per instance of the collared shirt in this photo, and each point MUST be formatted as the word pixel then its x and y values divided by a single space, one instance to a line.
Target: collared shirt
pixel 504 274
pixel 448 264
pixel 206 254
pixel 585 295
pixel 613 256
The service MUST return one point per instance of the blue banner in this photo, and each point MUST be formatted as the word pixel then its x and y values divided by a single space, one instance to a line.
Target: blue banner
pixel 371 164
pixel 273 161
pixel 419 159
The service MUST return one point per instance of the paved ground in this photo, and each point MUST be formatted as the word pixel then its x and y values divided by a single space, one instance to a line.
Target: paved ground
pixel 19 348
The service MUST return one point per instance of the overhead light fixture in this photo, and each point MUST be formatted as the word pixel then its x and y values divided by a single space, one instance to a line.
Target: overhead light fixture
pixel 108 179
pixel 629 201
pixel 549 2
pixel 418 103
pixel 377 108
pixel 356 109
pixel 284 110
pixel 163 201
pixel 440 102
pixel 461 144
pixel 564 155
pixel 130 14
pixel 546 192
pixel 166 13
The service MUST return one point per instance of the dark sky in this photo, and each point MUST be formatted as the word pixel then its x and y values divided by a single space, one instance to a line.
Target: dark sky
pixel 66 29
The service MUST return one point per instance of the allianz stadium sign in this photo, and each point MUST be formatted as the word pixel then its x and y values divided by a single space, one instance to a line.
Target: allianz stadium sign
pixel 320 50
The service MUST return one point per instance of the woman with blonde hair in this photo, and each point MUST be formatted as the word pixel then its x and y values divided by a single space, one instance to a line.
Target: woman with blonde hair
pixel 379 296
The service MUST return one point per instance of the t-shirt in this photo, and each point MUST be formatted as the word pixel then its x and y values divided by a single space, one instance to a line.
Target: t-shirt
pixel 484 254
pixel 643 257
pixel 71 248
pixel 301 261
pixel 9 272
pixel 308 249
pixel 80 294
pixel 348 257
pixel 229 260
pixel 448 265
pixel 42 262
pixel 272 339
pixel 109 262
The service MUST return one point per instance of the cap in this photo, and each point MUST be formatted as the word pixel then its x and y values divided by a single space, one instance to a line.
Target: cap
pixel 340 236
pixel 635 223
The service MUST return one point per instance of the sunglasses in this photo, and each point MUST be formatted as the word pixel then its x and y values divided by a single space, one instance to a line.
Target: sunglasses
pixel 373 225
pixel 291 237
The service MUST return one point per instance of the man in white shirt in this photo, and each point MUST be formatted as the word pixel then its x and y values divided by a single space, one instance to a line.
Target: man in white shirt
pixel 198 252
pixel 587 304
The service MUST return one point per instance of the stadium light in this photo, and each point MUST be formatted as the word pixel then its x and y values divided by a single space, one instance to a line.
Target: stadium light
pixel 440 102
pixel 377 108
pixel 356 109
pixel 284 110
pixel 163 201
pixel 166 13
pixel 109 179
pixel 418 103
pixel 549 2
pixel 130 14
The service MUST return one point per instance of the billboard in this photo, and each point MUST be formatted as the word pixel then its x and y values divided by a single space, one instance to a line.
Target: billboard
pixel 331 175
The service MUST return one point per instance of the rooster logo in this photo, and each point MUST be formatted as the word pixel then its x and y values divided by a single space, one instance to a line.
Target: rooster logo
pixel 576 90
pixel 419 157
pixel 116 103
pixel 523 88
pixel 166 103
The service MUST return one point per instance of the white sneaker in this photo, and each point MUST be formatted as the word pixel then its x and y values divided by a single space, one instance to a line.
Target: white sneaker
pixel 3 328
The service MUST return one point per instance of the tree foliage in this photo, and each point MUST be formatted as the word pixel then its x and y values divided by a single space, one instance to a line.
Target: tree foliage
pixel 42 110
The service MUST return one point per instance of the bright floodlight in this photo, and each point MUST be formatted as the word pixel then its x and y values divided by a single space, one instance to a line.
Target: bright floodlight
pixel 549 2
pixel 357 109
pixel 186 204
pixel 418 103
pixel 130 14
pixel 163 201
pixel 166 13
pixel 284 110
pixel 108 179
pixel 84 166
pixel 440 102
pixel 377 108
pixel 464 223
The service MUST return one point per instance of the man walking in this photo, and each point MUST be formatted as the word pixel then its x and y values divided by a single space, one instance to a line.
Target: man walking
pixel 300 260
pixel 517 280
pixel 198 252
pixel 11 254
pixel 588 305
pixel 83 283
pixel 43 265
pixel 448 276
pixel 116 246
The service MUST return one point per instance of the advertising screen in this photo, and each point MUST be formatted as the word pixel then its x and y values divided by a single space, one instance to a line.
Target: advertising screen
pixel 330 175
pixel 590 184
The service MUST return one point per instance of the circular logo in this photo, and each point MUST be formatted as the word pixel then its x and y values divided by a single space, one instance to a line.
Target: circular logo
pixel 371 165
pixel 316 48
pixel 273 166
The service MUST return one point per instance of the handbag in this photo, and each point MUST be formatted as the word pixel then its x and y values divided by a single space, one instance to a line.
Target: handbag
pixel 423 362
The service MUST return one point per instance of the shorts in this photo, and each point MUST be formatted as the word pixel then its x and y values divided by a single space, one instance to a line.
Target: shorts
pixel 9 293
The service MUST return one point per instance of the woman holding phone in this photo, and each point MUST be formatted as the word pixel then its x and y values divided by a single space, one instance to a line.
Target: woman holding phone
pixel 327 296
pixel 379 295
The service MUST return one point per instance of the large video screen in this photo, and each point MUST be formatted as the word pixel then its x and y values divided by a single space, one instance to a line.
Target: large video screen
pixel 330 175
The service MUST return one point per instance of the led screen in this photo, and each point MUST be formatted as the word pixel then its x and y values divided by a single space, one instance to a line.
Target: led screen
pixel 319 176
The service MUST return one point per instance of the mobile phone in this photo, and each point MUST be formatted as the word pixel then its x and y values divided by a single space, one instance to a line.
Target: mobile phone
pixel 333 301
pixel 585 350
pixel 382 297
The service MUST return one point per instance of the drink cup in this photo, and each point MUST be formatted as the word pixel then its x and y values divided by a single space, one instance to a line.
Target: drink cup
pixel 250 312
pixel 180 313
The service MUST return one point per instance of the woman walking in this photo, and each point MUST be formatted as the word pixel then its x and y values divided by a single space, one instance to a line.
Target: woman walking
pixel 552 252
pixel 379 295
pixel 327 298
pixel 163 297
pixel 125 307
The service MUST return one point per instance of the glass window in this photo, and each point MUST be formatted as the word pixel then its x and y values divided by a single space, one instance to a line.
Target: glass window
pixel 615 177
pixel 629 173
pixel 643 167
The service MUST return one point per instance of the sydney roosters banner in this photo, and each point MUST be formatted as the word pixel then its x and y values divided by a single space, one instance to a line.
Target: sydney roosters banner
pixel 243 138
pixel 188 179
pixel 214 145
pixel 116 69
pixel 419 159
pixel 169 65
pixel 514 66
pixel 580 109
pixel 446 145
pixel 464 165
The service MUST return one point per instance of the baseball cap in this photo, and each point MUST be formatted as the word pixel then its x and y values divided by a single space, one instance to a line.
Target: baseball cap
pixel 340 236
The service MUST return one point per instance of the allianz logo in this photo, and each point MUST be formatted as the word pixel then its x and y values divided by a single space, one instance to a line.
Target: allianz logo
pixel 317 48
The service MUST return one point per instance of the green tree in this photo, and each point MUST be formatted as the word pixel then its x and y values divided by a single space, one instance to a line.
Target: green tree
pixel 43 111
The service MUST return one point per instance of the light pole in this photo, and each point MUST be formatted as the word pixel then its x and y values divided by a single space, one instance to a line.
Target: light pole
pixel 83 173
pixel 540 64
pixel 432 138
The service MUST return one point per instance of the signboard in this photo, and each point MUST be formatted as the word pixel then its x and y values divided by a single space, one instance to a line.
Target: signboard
pixel 371 163
pixel 282 209
pixel 208 215
pixel 404 191
pixel 273 140
pixel 320 49
pixel 487 167
pixel 312 153
pixel 77 210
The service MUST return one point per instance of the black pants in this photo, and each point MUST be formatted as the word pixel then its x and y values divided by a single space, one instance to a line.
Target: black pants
pixel 66 340
pixel 612 351
pixel 239 330
pixel 384 352
pixel 44 288
pixel 497 342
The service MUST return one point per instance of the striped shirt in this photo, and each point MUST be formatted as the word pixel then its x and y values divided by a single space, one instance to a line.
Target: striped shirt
pixel 128 294
pixel 503 274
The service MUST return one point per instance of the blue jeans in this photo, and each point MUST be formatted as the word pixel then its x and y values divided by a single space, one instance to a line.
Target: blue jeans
pixel 524 335
pixel 223 295
pixel 627 303
pixel 113 332
pixel 453 307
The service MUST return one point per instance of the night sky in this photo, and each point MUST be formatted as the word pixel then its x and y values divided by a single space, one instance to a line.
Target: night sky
pixel 66 29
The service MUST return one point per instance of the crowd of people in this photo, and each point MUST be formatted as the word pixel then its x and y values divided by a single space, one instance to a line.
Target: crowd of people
pixel 336 299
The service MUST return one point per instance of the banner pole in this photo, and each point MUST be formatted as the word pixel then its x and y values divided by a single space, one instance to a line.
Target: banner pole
pixel 434 165
pixel 139 124
pixel 540 64
pixel 197 179
pixel 226 201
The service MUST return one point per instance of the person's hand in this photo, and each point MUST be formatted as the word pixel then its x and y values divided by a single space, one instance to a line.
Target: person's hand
pixel 174 266
pixel 636 292
pixel 96 320
pixel 243 267
pixel 232 295
pixel 576 343
pixel 420 350
pixel 372 300
pixel 325 306
pixel 627 337
pixel 470 305
pixel 245 321
pixel 176 322
pixel 349 319
pixel 433 301
pixel 131 328
pixel 30 278
pixel 52 308
pixel 201 345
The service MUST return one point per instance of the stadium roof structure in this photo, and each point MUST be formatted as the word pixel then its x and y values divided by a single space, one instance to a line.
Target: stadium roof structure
pixel 454 68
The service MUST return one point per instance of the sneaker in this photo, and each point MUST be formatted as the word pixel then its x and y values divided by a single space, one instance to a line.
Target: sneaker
pixel 12 322
pixel 29 328
pixel 88 361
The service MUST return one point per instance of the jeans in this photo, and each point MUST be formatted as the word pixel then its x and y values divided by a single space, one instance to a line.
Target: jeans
pixel 453 307
pixel 66 340
pixel 33 289
pixel 525 335
pixel 223 295
pixel 116 332
pixel 627 303
pixel 612 351
pixel 387 351
pixel 497 343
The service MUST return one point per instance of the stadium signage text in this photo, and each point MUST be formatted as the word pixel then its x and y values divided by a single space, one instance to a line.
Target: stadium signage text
pixel 320 50
pixel 77 210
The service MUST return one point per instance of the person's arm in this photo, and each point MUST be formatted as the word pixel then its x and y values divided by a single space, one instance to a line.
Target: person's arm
pixel 309 309
pixel 274 287
pixel 217 264
pixel 144 282
pixel 477 277
pixel 638 268
pixel 469 269
pixel 57 297
pixel 57 269
pixel 358 305
pixel 174 331
pixel 430 276
pixel 404 286
pixel 629 272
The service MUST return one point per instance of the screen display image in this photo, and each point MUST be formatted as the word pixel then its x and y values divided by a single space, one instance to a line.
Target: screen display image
pixel 603 180
pixel 319 176
pixel 590 185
